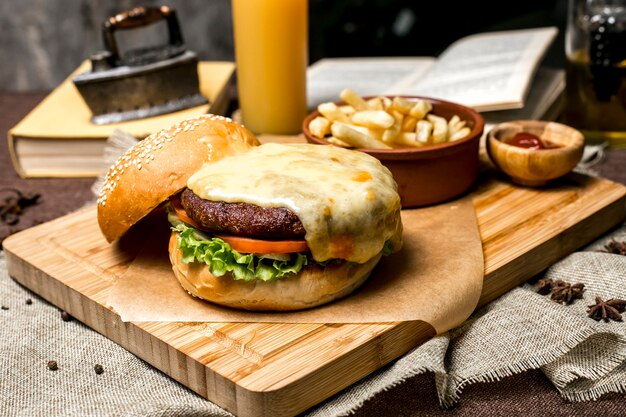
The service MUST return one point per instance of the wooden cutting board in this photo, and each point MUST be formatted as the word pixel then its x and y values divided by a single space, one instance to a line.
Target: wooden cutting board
pixel 253 369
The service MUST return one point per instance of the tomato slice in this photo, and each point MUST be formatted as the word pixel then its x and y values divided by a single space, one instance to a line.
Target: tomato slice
pixel 245 244
pixel 252 245
pixel 182 214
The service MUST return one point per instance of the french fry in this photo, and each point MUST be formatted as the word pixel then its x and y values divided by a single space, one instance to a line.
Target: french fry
pixel 387 102
pixel 319 127
pixel 374 133
pixel 423 130
pixel 390 134
pixel 377 119
pixel 460 134
pixel 409 123
pixel 332 112
pixel 440 128
pixel 354 137
pixel 454 125
pixel 420 109
pixel 402 105
pixel 347 109
pixel 454 120
pixel 338 142
pixel 375 103
pixel 353 99
pixel 407 139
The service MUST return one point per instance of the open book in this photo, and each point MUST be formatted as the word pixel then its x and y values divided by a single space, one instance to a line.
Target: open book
pixel 544 101
pixel 57 138
pixel 487 71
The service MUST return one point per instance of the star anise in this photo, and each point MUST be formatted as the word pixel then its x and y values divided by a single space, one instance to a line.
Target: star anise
pixel 616 247
pixel 564 292
pixel 544 286
pixel 607 310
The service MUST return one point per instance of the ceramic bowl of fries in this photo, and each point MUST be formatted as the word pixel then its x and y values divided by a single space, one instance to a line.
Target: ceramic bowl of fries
pixel 429 145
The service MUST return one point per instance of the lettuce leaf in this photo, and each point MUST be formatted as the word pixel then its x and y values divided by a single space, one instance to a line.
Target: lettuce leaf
pixel 221 259
pixel 388 248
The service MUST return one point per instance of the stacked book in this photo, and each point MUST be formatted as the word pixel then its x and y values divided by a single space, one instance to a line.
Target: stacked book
pixel 57 138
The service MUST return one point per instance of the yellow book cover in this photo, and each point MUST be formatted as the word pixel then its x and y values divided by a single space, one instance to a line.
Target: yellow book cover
pixel 57 138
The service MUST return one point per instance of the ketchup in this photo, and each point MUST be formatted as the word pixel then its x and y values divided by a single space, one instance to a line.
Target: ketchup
pixel 529 141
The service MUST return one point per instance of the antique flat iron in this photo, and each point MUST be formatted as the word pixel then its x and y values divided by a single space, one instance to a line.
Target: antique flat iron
pixel 143 82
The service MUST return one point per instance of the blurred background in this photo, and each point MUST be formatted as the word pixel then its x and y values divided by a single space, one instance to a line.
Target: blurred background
pixel 43 41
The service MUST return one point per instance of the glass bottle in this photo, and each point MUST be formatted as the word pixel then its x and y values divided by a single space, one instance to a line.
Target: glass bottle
pixel 596 70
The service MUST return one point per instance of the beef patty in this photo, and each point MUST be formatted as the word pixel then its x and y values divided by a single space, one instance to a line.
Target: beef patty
pixel 242 219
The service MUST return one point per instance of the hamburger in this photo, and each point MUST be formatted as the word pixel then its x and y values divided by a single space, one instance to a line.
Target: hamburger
pixel 257 227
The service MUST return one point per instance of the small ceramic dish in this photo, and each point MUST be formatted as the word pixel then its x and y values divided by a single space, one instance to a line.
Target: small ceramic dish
pixel 429 174
pixel 535 167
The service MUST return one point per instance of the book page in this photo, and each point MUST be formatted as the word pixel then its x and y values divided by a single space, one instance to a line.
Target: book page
pixel 547 87
pixel 62 157
pixel 366 76
pixel 488 71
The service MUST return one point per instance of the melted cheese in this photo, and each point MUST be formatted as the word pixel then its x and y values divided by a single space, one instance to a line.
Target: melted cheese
pixel 346 200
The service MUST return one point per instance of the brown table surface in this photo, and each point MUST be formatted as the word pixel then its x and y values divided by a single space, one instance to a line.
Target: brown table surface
pixel 528 393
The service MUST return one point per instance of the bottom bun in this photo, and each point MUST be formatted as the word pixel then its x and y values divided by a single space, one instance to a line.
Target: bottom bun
pixel 313 286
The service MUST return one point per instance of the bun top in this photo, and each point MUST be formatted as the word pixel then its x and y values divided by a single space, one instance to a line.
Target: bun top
pixel 159 166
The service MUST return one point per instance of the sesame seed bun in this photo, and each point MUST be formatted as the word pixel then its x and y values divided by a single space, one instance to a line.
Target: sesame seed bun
pixel 159 166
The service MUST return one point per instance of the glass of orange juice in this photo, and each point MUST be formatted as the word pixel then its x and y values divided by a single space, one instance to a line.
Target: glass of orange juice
pixel 271 53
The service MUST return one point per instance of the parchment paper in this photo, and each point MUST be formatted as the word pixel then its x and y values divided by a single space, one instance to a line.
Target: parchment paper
pixel 437 277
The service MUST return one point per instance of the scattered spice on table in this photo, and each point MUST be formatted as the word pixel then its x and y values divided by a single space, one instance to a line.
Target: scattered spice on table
pixel 52 365
pixel 65 316
pixel 15 203
pixel 561 291
pixel 616 247
pixel 607 310
pixel 29 301
pixel 544 286
pixel 98 368
pixel 565 293
pixel 5 307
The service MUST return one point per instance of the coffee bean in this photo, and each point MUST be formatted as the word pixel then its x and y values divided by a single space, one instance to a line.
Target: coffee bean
pixel 52 365
pixel 65 316
pixel 98 368
pixel 29 301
